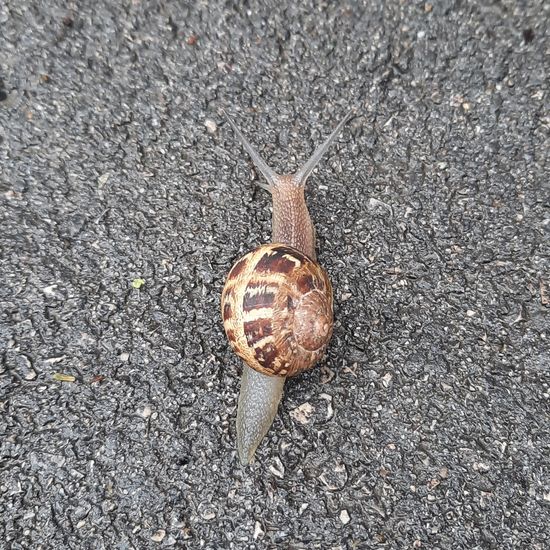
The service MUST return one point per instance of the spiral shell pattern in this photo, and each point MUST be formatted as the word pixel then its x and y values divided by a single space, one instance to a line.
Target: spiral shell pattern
pixel 277 310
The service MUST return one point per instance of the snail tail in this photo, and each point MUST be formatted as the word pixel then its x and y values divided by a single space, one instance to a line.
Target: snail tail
pixel 258 402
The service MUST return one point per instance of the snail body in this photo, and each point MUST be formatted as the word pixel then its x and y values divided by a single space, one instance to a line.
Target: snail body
pixel 277 302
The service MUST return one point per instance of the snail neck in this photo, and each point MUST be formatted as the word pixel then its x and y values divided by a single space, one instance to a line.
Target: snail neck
pixel 291 222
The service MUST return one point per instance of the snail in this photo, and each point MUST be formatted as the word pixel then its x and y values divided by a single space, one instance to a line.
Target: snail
pixel 277 304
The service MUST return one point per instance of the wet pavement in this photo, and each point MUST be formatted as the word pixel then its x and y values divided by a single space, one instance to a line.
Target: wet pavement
pixel 124 200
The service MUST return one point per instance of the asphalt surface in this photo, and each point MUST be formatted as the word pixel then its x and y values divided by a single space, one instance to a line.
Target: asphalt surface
pixel 427 426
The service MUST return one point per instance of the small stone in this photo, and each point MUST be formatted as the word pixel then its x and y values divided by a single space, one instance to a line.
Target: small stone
pixel 258 531
pixel 443 472
pixel 102 180
pixel 10 194
pixel 326 374
pixel 50 290
pixel 433 483
pixel 352 370
pixel 543 294
pixel 480 467
pixel 277 468
pixel 146 411
pixel 330 410
pixel 522 315
pixel 376 203
pixel 107 506
pixel 334 477
pixel 211 126
pixel 54 360
pixel 26 368
pixel 344 517
pixel 76 474
pixel 470 313
pixel 303 413
pixel 159 536
pixel 124 357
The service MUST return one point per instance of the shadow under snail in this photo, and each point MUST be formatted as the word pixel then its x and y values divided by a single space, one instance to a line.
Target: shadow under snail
pixel 277 304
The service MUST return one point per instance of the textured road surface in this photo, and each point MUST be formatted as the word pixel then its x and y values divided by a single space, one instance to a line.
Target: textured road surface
pixel 427 426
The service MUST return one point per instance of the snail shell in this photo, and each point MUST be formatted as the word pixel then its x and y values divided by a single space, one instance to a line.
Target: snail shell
pixel 277 310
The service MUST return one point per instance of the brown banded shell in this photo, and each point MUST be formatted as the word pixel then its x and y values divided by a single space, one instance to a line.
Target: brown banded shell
pixel 277 310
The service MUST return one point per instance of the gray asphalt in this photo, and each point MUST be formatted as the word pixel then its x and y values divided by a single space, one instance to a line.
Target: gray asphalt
pixel 427 426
